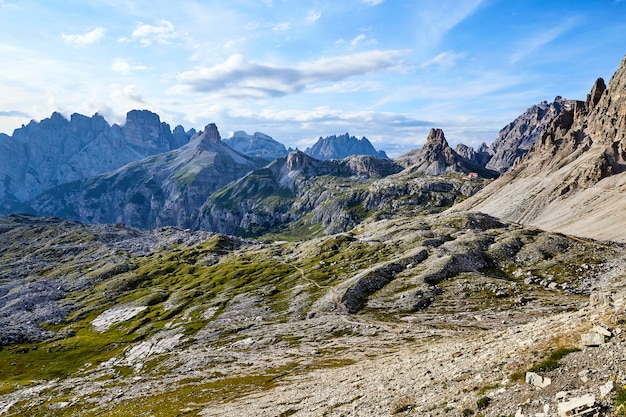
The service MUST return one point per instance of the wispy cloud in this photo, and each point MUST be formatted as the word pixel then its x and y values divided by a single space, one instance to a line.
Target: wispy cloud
pixel 281 27
pixel 238 77
pixel 84 39
pixel 122 66
pixel 354 42
pixel 127 95
pixel 435 18
pixel 538 40
pixel 163 33
pixel 13 113
pixel 373 2
pixel 313 16
pixel 446 59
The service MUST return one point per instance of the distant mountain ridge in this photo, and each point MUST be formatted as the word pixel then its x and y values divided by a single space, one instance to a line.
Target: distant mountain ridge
pixel 342 146
pixel 257 145
pixel 164 189
pixel 518 137
pixel 56 150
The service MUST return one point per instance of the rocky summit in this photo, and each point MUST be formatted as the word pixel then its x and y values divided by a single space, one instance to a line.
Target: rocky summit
pixel 164 189
pixel 258 145
pixel 518 137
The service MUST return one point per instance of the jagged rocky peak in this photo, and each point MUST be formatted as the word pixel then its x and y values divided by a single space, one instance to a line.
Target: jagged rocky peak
pixel 298 161
pixel 142 127
pixel 209 135
pixel 481 156
pixel 596 92
pixel 518 137
pixel 342 146
pixel 571 179
pixel 437 147
pixel 436 157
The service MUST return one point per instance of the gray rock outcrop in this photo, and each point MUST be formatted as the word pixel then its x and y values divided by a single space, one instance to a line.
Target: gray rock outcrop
pixel 165 189
pixel 516 138
pixel 572 178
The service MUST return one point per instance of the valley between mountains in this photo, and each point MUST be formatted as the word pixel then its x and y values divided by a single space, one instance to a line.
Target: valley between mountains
pixel 190 275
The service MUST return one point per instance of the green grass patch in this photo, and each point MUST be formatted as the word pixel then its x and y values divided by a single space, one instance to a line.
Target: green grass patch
pixel 552 362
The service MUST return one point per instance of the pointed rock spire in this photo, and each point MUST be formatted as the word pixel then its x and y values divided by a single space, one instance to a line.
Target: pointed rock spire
pixel 210 135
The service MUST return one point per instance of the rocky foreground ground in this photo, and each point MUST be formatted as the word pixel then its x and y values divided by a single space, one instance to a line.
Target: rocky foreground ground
pixel 452 314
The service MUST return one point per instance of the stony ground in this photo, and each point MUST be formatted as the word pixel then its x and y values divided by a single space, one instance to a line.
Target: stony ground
pixel 449 314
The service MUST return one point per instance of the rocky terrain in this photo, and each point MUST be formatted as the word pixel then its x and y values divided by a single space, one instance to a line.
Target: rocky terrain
pixel 207 185
pixel 54 151
pixel 573 178
pixel 413 315
pixel 358 286
pixel 342 146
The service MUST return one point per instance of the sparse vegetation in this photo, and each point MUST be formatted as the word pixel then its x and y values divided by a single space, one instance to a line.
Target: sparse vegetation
pixel 403 404
pixel 483 402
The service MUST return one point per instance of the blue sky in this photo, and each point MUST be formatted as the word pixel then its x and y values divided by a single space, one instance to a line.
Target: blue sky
pixel 385 69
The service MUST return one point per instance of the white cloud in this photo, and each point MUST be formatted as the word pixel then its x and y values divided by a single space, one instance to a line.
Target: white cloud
pixel 358 39
pixel 313 16
pixel 163 34
pixel 86 39
pixel 239 78
pixel 127 96
pixel 124 67
pixel 281 27
pixel 446 59
pixel 373 2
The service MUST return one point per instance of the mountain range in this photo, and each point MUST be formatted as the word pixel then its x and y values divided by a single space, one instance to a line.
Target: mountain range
pixel 143 174
pixel 55 151
pixel 210 279
pixel 342 146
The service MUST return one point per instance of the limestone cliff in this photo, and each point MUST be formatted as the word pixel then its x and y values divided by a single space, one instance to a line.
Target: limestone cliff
pixel 516 138
pixel 257 145
pixel 342 146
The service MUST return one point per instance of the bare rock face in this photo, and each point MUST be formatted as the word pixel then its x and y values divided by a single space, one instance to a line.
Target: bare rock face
pixel 480 156
pixel 161 190
pixel 572 179
pixel 516 139
pixel 288 189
